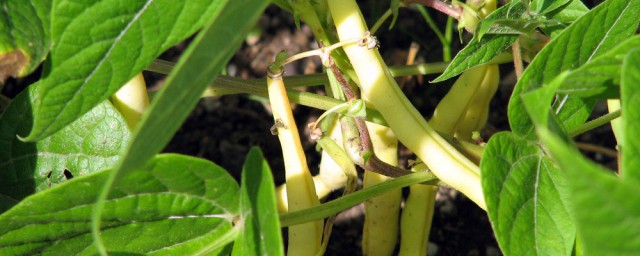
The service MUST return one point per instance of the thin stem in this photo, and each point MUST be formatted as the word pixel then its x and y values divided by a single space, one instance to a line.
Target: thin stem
pixel 165 67
pixel 327 209
pixel 230 85
pixel 380 21
pixel 346 89
pixel 588 126
pixel 448 36
pixel 598 149
pixel 517 60
pixel 440 6
pixel 321 51
pixel 432 24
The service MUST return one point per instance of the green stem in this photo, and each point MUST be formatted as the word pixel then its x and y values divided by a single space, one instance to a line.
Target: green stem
pixel 432 24
pixel 379 22
pixel 231 85
pixel 220 242
pixel 327 209
pixel 165 67
pixel 588 126
pixel 448 36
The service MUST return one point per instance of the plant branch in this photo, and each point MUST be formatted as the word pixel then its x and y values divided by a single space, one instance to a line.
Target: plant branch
pixel 165 67
pixel 446 43
pixel 380 21
pixel 588 126
pixel 597 149
pixel 439 6
pixel 327 209
pixel 517 60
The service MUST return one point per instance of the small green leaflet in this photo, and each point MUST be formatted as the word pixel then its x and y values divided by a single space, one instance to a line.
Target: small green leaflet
pixel 480 51
pixel 545 6
pixel 261 231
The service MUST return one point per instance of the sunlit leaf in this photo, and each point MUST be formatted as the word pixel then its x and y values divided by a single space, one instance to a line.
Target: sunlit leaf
pixel 600 77
pixel 87 145
pixel 606 208
pixel 630 100
pixel 174 205
pixel 100 45
pixel 525 198
pixel 592 35
pixel 480 51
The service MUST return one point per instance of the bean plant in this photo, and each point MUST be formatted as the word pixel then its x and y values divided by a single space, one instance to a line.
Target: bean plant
pixel 89 116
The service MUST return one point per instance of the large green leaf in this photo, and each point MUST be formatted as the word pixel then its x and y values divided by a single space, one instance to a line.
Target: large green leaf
pixel 600 77
pixel 480 51
pixel 590 36
pixel 606 208
pixel 261 234
pixel 525 198
pixel 630 100
pixel 89 144
pixel 174 205
pixel 100 45
pixel 198 67
pixel 24 36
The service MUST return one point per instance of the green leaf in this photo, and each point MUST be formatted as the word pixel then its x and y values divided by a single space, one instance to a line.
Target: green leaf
pixel 525 200
pixel 564 15
pixel 477 53
pixel 513 26
pixel 24 36
pixel 89 144
pixel 100 45
pixel 606 208
pixel 480 51
pixel 284 4
pixel 174 205
pixel 589 37
pixel 630 100
pixel 516 11
pixel 600 78
pixel 538 104
pixel 198 67
pixel 261 234
pixel 545 6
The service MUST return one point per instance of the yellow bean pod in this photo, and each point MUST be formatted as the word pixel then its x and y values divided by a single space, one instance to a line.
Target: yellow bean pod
pixel 131 100
pixel 380 234
pixel 304 239
pixel 379 87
